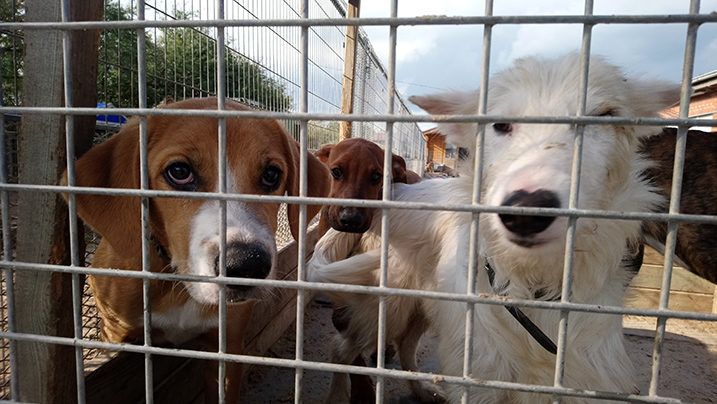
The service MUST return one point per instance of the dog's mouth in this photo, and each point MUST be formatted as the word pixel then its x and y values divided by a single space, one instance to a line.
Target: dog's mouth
pixel 209 293
pixel 528 242
pixel 351 229
pixel 239 293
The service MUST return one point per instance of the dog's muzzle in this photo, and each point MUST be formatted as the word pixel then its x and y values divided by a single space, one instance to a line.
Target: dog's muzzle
pixel 244 260
pixel 527 226
pixel 352 220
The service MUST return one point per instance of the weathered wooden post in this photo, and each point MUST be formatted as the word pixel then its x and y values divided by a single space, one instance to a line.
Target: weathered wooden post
pixel 347 90
pixel 43 299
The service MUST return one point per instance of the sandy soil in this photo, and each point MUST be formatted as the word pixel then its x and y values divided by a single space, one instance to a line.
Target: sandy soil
pixel 689 364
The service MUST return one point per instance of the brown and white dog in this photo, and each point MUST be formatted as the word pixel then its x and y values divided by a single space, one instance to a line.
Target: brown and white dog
pixel 695 242
pixel 357 168
pixel 182 155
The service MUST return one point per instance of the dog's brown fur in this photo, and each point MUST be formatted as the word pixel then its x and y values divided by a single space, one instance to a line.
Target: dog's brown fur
pixel 250 143
pixel 357 168
pixel 695 241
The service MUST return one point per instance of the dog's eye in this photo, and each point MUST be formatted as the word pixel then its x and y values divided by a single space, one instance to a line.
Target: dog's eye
pixel 376 178
pixel 609 112
pixel 271 178
pixel 337 174
pixel 503 128
pixel 179 175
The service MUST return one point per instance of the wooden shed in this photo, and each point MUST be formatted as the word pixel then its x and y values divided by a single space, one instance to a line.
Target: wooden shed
pixel 438 151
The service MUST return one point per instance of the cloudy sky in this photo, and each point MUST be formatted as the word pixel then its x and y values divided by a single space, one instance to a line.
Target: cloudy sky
pixel 439 58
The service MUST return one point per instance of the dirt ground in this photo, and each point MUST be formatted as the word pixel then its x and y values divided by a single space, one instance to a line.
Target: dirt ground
pixel 689 364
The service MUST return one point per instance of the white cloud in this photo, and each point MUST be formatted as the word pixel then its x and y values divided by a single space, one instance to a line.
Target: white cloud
pixel 431 58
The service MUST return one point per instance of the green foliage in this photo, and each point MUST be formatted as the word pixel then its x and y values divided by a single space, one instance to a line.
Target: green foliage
pixel 322 133
pixel 11 57
pixel 181 62
pixel 117 73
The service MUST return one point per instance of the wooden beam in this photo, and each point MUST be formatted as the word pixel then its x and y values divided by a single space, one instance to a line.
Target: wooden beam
pixel 85 56
pixel 44 300
pixel 347 90
pixel 43 304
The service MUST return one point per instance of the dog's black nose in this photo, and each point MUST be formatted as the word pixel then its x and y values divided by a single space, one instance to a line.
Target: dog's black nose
pixel 246 260
pixel 529 225
pixel 352 220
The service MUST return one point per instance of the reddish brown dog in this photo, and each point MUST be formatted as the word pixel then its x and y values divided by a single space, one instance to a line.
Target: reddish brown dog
pixel 182 155
pixel 357 168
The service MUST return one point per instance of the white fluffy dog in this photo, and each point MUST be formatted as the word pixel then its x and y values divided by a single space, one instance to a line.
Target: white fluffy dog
pixel 530 165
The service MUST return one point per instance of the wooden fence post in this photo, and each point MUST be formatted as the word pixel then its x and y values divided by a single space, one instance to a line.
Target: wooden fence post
pixel 347 90
pixel 43 299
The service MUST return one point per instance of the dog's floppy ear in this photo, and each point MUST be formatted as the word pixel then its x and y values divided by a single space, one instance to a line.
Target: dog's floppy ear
pixel 112 164
pixel 168 100
pixel 324 152
pixel 452 103
pixel 649 97
pixel 318 185
pixel 398 169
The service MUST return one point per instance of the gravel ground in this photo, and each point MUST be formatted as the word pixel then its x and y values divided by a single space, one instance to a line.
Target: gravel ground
pixel 689 364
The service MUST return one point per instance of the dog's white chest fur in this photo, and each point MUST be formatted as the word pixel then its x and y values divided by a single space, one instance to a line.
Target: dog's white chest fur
pixel 183 323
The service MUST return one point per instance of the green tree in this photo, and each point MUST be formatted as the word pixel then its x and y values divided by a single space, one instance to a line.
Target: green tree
pixel 117 73
pixel 322 133
pixel 181 62
pixel 11 57
pixel 186 58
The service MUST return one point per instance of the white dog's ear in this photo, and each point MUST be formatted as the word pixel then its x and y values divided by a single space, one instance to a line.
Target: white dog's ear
pixel 452 103
pixel 651 96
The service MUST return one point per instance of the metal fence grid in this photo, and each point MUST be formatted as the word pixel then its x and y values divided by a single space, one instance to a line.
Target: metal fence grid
pixel 306 112
pixel 260 70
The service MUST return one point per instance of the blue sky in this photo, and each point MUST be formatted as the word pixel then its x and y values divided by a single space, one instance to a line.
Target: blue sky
pixel 438 58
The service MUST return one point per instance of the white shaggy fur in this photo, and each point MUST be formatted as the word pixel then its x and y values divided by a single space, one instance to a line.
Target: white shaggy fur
pixel 405 317
pixel 531 157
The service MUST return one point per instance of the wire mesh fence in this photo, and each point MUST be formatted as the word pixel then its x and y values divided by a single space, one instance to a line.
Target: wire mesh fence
pixel 260 73
pixel 266 78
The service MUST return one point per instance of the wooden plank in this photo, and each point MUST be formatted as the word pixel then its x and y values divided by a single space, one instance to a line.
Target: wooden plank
pixel 650 276
pixel 650 299
pixel 274 330
pixel 184 385
pixel 652 257
pixel 85 55
pixel 121 380
pixel 347 89
pixel 267 309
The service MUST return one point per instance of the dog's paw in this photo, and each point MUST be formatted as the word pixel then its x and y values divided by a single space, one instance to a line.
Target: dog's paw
pixel 428 392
